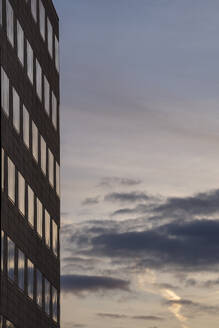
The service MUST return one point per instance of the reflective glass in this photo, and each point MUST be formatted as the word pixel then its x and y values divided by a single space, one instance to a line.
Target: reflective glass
pixel 54 304
pixel 30 278
pixel 57 179
pixel 43 155
pixel 11 180
pixel 2 250
pixel 50 37
pixel 46 95
pixel 47 228
pixel 42 19
pixel 54 110
pixel 16 110
pixel 55 238
pixel 11 258
pixel 21 193
pixel 39 217
pixel 10 22
pixel 51 168
pixel 21 268
pixel 26 127
pixel 35 141
pixel 38 80
pixel 3 168
pixel 47 296
pixel 4 92
pixel 30 206
pixel 20 43
pixel 33 4
pixel 29 62
pixel 39 287
pixel 57 53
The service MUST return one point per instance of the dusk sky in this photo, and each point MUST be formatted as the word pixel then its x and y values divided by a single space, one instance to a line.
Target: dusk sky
pixel 140 163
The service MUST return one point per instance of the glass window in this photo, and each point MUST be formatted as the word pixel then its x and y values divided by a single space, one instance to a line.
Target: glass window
pixel 33 4
pixel 43 155
pixel 21 193
pixel 11 180
pixel 30 206
pixel 47 228
pixel 20 43
pixel 42 20
pixel 50 37
pixel 30 278
pixel 38 80
pixel 29 62
pixel 4 92
pixel 3 167
pixel 57 179
pixel 10 22
pixel 55 238
pixel 54 304
pixel 47 296
pixel 54 110
pixel 39 287
pixel 2 250
pixel 39 218
pixel 46 95
pixel 11 258
pixel 35 141
pixel 21 268
pixel 57 53
pixel 51 168
pixel 26 127
pixel 16 110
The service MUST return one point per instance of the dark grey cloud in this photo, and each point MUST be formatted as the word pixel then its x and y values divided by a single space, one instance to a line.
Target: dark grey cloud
pixel 113 181
pixel 91 201
pixel 195 306
pixel 77 284
pixel 189 245
pixel 124 316
pixel 126 197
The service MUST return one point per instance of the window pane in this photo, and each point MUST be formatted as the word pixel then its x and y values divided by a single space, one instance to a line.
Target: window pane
pixel 51 168
pixel 38 80
pixel 46 95
pixel 10 22
pixel 57 179
pixel 30 206
pixel 30 278
pixel 29 62
pixel 3 168
pixel 54 110
pixel 35 141
pixel 50 37
pixel 42 20
pixel 54 304
pixel 39 217
pixel 2 250
pixel 34 9
pixel 47 296
pixel 43 155
pixel 39 287
pixel 11 259
pixel 57 53
pixel 21 193
pixel 21 268
pixel 47 228
pixel 11 180
pixel 4 92
pixel 20 43
pixel 55 238
pixel 26 127
pixel 16 110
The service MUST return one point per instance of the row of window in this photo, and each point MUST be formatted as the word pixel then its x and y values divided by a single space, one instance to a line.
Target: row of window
pixel 4 323
pixel 46 30
pixel 29 205
pixel 27 277
pixel 27 128
pixel 32 66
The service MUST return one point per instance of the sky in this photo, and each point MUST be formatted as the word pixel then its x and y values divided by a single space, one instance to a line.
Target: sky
pixel 140 163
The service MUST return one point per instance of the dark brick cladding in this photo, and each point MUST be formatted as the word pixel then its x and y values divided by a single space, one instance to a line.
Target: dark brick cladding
pixel 14 304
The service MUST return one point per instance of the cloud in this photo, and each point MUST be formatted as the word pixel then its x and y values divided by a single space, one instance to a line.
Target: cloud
pixel 195 306
pixel 91 201
pixel 112 181
pixel 136 317
pixel 189 245
pixel 76 284
pixel 126 197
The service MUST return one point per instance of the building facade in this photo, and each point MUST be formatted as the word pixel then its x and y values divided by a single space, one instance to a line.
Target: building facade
pixel 30 164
